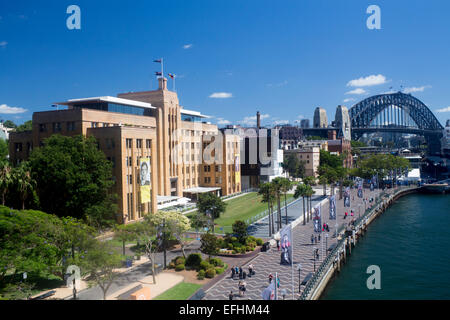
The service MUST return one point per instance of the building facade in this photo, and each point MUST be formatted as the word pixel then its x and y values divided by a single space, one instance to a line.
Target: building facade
pixel 144 134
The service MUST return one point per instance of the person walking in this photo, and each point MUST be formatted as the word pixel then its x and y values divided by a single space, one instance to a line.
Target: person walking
pixel 345 215
pixel 319 237
pixel 312 239
pixel 233 272
pixel 250 270
pixel 244 287
pixel 231 295
pixel 270 278
pixel 278 245
pixel 240 273
pixel 315 239
pixel 240 288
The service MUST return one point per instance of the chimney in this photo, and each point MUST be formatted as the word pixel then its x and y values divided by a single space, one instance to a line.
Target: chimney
pixel 162 83
pixel 258 120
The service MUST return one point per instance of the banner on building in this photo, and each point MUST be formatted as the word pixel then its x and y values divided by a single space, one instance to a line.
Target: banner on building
pixel 333 207
pixel 237 169
pixel 347 197
pixel 317 219
pixel 145 180
pixel 286 245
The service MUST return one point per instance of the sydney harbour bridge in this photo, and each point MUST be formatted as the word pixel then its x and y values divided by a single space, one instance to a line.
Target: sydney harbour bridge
pixel 396 113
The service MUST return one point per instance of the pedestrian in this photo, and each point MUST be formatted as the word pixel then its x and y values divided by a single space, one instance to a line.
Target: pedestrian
pixel 270 278
pixel 319 237
pixel 278 245
pixel 231 295
pixel 236 270
pixel 346 214
pixel 244 275
pixel 352 213
pixel 250 270
pixel 233 272
pixel 240 273
pixel 244 287
pixel 312 239
pixel 240 288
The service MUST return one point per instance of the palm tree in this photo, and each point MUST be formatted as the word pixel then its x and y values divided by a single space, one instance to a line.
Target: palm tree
pixel 286 185
pixel 5 179
pixel 301 191
pixel 267 192
pixel 277 186
pixel 24 182
pixel 309 193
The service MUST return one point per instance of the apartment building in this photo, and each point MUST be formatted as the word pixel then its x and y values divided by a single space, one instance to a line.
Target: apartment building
pixel 157 147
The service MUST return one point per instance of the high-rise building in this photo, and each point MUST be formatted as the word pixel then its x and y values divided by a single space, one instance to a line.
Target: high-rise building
pixel 342 122
pixel 304 123
pixel 145 134
pixel 320 118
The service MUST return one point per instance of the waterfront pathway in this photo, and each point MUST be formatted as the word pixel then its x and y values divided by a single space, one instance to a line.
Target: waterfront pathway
pixel 269 262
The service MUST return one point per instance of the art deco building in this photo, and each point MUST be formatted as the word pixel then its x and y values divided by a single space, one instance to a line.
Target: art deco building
pixel 160 152
pixel 320 118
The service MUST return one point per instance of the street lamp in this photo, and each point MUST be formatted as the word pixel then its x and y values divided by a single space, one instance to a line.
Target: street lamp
pixel 326 242
pixel 314 256
pixel 299 268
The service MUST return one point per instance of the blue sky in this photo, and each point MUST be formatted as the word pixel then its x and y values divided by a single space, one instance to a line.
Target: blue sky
pixel 283 58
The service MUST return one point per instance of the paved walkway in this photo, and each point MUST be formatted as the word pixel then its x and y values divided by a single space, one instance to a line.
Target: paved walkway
pixel 269 262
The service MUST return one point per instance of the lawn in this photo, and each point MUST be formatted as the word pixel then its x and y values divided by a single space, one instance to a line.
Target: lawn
pixel 181 291
pixel 242 208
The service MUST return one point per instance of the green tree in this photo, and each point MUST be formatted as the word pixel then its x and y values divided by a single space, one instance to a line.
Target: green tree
pixel 9 124
pixel 294 166
pixel 286 185
pixel 240 230
pixel 5 179
pixel 268 195
pixel 124 233
pixel 209 244
pixel 3 150
pixel 100 264
pixel 211 204
pixel 311 181
pixel 74 179
pixel 23 181
pixel 302 191
pixel 26 126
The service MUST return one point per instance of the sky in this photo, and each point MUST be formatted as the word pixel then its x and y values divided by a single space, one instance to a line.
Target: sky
pixel 231 58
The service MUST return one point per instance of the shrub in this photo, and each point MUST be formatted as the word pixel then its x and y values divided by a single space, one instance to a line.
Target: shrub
pixel 210 273
pixel 259 241
pixel 234 239
pixel 201 275
pixel 219 270
pixel 179 267
pixel 252 238
pixel 172 265
pixel 205 265
pixel 216 262
pixel 230 246
pixel 194 260
pixel 240 230
pixel 234 252
pixel 237 245
pixel 180 260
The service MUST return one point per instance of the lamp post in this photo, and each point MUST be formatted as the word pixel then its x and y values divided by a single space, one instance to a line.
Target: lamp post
pixel 314 256
pixel 326 242
pixel 299 268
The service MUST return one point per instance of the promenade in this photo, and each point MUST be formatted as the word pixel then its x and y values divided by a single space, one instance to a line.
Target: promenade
pixel 267 263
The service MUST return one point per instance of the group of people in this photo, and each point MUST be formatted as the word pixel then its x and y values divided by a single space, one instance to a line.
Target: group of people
pixel 326 227
pixel 242 287
pixel 346 214
pixel 238 271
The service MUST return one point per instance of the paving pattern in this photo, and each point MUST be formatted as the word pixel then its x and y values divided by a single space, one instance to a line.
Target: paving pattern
pixel 269 262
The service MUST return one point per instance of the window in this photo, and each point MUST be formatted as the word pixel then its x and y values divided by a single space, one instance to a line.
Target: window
pixel 94 124
pixel 129 143
pixel 138 143
pixel 129 161
pixel 148 143
pixel 42 127
pixel 71 126
pixel 18 147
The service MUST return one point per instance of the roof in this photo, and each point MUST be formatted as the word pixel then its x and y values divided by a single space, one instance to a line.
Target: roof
pixel 201 190
pixel 193 113
pixel 127 102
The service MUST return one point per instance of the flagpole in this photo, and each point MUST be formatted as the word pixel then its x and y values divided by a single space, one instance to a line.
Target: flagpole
pixel 276 286
pixel 162 68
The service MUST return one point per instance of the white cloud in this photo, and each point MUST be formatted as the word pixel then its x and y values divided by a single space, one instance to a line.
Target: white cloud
pixel 368 81
pixel 301 117
pixel 11 110
pixel 415 89
pixel 221 95
pixel 349 100
pixel 249 121
pixel 188 46
pixel 357 91
pixel 279 84
pixel 444 109
pixel 278 122
pixel 222 121
pixel 3 44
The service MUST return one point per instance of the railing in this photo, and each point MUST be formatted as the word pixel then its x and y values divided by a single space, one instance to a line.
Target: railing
pixel 312 284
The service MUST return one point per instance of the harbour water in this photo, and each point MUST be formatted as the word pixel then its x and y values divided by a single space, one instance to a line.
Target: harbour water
pixel 410 242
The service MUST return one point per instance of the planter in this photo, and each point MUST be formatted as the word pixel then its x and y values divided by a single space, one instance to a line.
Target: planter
pixel 241 255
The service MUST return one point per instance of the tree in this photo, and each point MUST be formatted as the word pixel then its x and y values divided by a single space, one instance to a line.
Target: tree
pixel 209 244
pixel 277 185
pixel 9 124
pixel 309 194
pixel 74 179
pixel 294 166
pixel 301 191
pixel 268 195
pixel 240 230
pixel 124 233
pixel 3 151
pixel 286 185
pixel 26 126
pixel 311 181
pixel 22 179
pixel 211 204
pixel 5 179
pixel 100 264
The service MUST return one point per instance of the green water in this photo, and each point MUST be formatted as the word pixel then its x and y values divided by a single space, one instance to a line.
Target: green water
pixel 410 243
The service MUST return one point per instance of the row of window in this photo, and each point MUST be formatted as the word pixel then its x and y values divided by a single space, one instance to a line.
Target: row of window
pixel 129 143
pixel 57 127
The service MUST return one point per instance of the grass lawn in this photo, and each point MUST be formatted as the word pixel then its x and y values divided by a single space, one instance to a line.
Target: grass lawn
pixel 242 208
pixel 181 291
